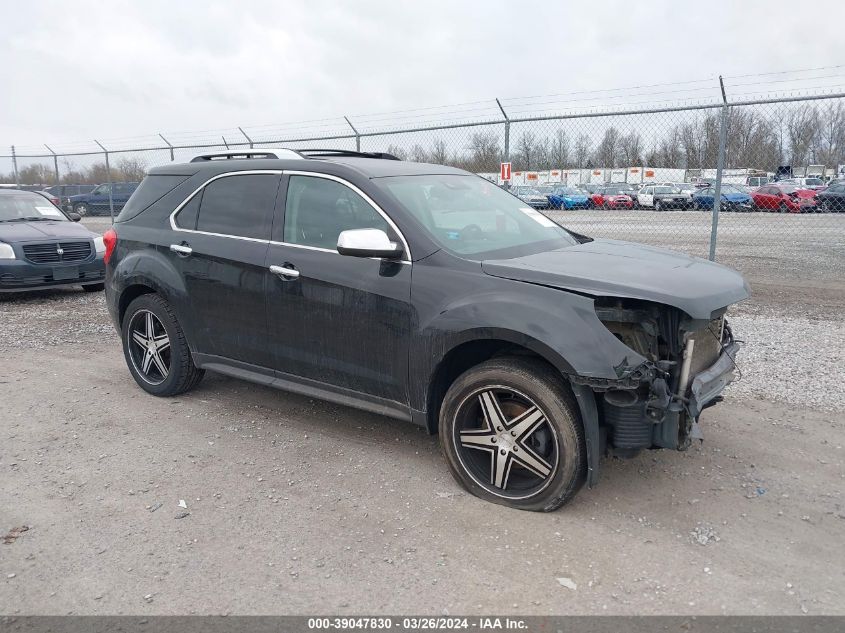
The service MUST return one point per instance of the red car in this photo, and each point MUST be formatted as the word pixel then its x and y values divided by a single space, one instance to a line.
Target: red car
pixel 611 197
pixel 785 198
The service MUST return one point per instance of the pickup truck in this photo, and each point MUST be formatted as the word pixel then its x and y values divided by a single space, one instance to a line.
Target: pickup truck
pixel 97 201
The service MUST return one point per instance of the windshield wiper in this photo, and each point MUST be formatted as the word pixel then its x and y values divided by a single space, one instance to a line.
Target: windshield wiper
pixel 34 218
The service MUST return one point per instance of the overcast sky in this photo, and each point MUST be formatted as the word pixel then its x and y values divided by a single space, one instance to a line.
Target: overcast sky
pixel 76 70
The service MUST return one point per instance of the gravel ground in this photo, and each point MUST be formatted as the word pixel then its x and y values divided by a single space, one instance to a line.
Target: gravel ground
pixel 298 506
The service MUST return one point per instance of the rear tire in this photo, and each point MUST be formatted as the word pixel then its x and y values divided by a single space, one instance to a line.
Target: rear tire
pixel 94 287
pixel 150 317
pixel 540 424
pixel 82 209
pixel 658 206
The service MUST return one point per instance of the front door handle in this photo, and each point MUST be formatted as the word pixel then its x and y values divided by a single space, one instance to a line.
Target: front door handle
pixel 284 272
pixel 181 249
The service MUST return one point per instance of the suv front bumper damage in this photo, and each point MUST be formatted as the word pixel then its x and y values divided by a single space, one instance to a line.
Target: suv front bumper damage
pixel 706 386
pixel 648 408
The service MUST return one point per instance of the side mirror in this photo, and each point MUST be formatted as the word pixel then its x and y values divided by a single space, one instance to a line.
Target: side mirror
pixel 367 243
pixel 73 216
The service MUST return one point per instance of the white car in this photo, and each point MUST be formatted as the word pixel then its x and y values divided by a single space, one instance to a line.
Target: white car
pixel 664 196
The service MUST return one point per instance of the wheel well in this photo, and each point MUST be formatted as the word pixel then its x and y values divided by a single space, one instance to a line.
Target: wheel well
pixel 460 359
pixel 129 295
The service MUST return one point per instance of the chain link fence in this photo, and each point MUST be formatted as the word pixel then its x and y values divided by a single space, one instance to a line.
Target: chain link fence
pixel 750 172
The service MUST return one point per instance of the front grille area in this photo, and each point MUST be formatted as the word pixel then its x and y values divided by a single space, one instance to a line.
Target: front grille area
pixel 57 252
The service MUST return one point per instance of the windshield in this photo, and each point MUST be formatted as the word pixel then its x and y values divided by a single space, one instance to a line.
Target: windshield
pixel 814 181
pixel 527 191
pixel 617 189
pixel 470 216
pixel 664 190
pixel 31 207
pixel 545 189
pixel 731 189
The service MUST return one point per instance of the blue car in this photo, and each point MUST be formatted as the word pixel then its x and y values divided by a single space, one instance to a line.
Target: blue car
pixel 97 201
pixel 568 198
pixel 733 199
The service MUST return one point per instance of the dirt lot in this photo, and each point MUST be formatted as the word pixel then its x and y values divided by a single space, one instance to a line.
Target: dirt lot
pixel 297 506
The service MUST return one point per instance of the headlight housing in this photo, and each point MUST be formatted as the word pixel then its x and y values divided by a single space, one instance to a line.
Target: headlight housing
pixel 99 245
pixel 6 251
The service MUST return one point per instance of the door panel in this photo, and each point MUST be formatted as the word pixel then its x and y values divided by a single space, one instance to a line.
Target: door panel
pixel 224 278
pixel 344 321
pixel 224 232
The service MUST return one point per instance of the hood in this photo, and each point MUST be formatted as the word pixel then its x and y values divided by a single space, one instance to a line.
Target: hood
pixel 11 232
pixel 614 268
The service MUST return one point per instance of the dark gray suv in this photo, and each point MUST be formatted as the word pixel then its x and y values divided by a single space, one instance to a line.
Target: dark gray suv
pixel 425 293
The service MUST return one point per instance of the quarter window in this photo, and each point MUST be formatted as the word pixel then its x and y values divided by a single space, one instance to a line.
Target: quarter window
pixel 319 209
pixel 240 205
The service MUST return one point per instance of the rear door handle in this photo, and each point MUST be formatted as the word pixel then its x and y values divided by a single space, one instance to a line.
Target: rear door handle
pixel 284 272
pixel 181 249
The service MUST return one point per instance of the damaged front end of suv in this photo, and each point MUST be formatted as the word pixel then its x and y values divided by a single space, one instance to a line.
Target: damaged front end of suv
pixel 655 402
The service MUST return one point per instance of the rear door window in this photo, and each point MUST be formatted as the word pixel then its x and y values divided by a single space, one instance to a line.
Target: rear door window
pixel 239 205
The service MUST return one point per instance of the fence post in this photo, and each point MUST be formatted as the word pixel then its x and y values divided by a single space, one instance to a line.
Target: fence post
pixel 168 145
pixel 507 154
pixel 720 166
pixel 55 164
pixel 248 140
pixel 108 177
pixel 15 168
pixel 357 136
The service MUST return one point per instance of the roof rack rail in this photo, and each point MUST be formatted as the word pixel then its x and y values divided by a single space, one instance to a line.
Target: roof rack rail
pixel 248 153
pixel 328 152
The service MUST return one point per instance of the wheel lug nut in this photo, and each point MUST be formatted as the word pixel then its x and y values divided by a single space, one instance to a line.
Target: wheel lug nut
pixel 499 428
pixel 503 451
pixel 513 433
pixel 493 439
pixel 515 449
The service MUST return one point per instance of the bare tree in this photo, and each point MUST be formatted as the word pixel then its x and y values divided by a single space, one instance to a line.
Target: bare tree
pixel 35 174
pixel 607 153
pixel 527 150
pixel 397 151
pixel 630 147
pixel 582 151
pixel 418 154
pixel 439 154
pixel 802 127
pixel 558 150
pixel 485 154
pixel 830 141
pixel 131 169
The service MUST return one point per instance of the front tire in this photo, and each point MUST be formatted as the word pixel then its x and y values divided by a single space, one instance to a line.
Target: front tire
pixel 511 433
pixel 155 348
pixel 658 206
pixel 82 209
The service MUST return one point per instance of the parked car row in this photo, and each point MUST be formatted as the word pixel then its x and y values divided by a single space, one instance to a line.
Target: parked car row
pixel 93 199
pixel 795 195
